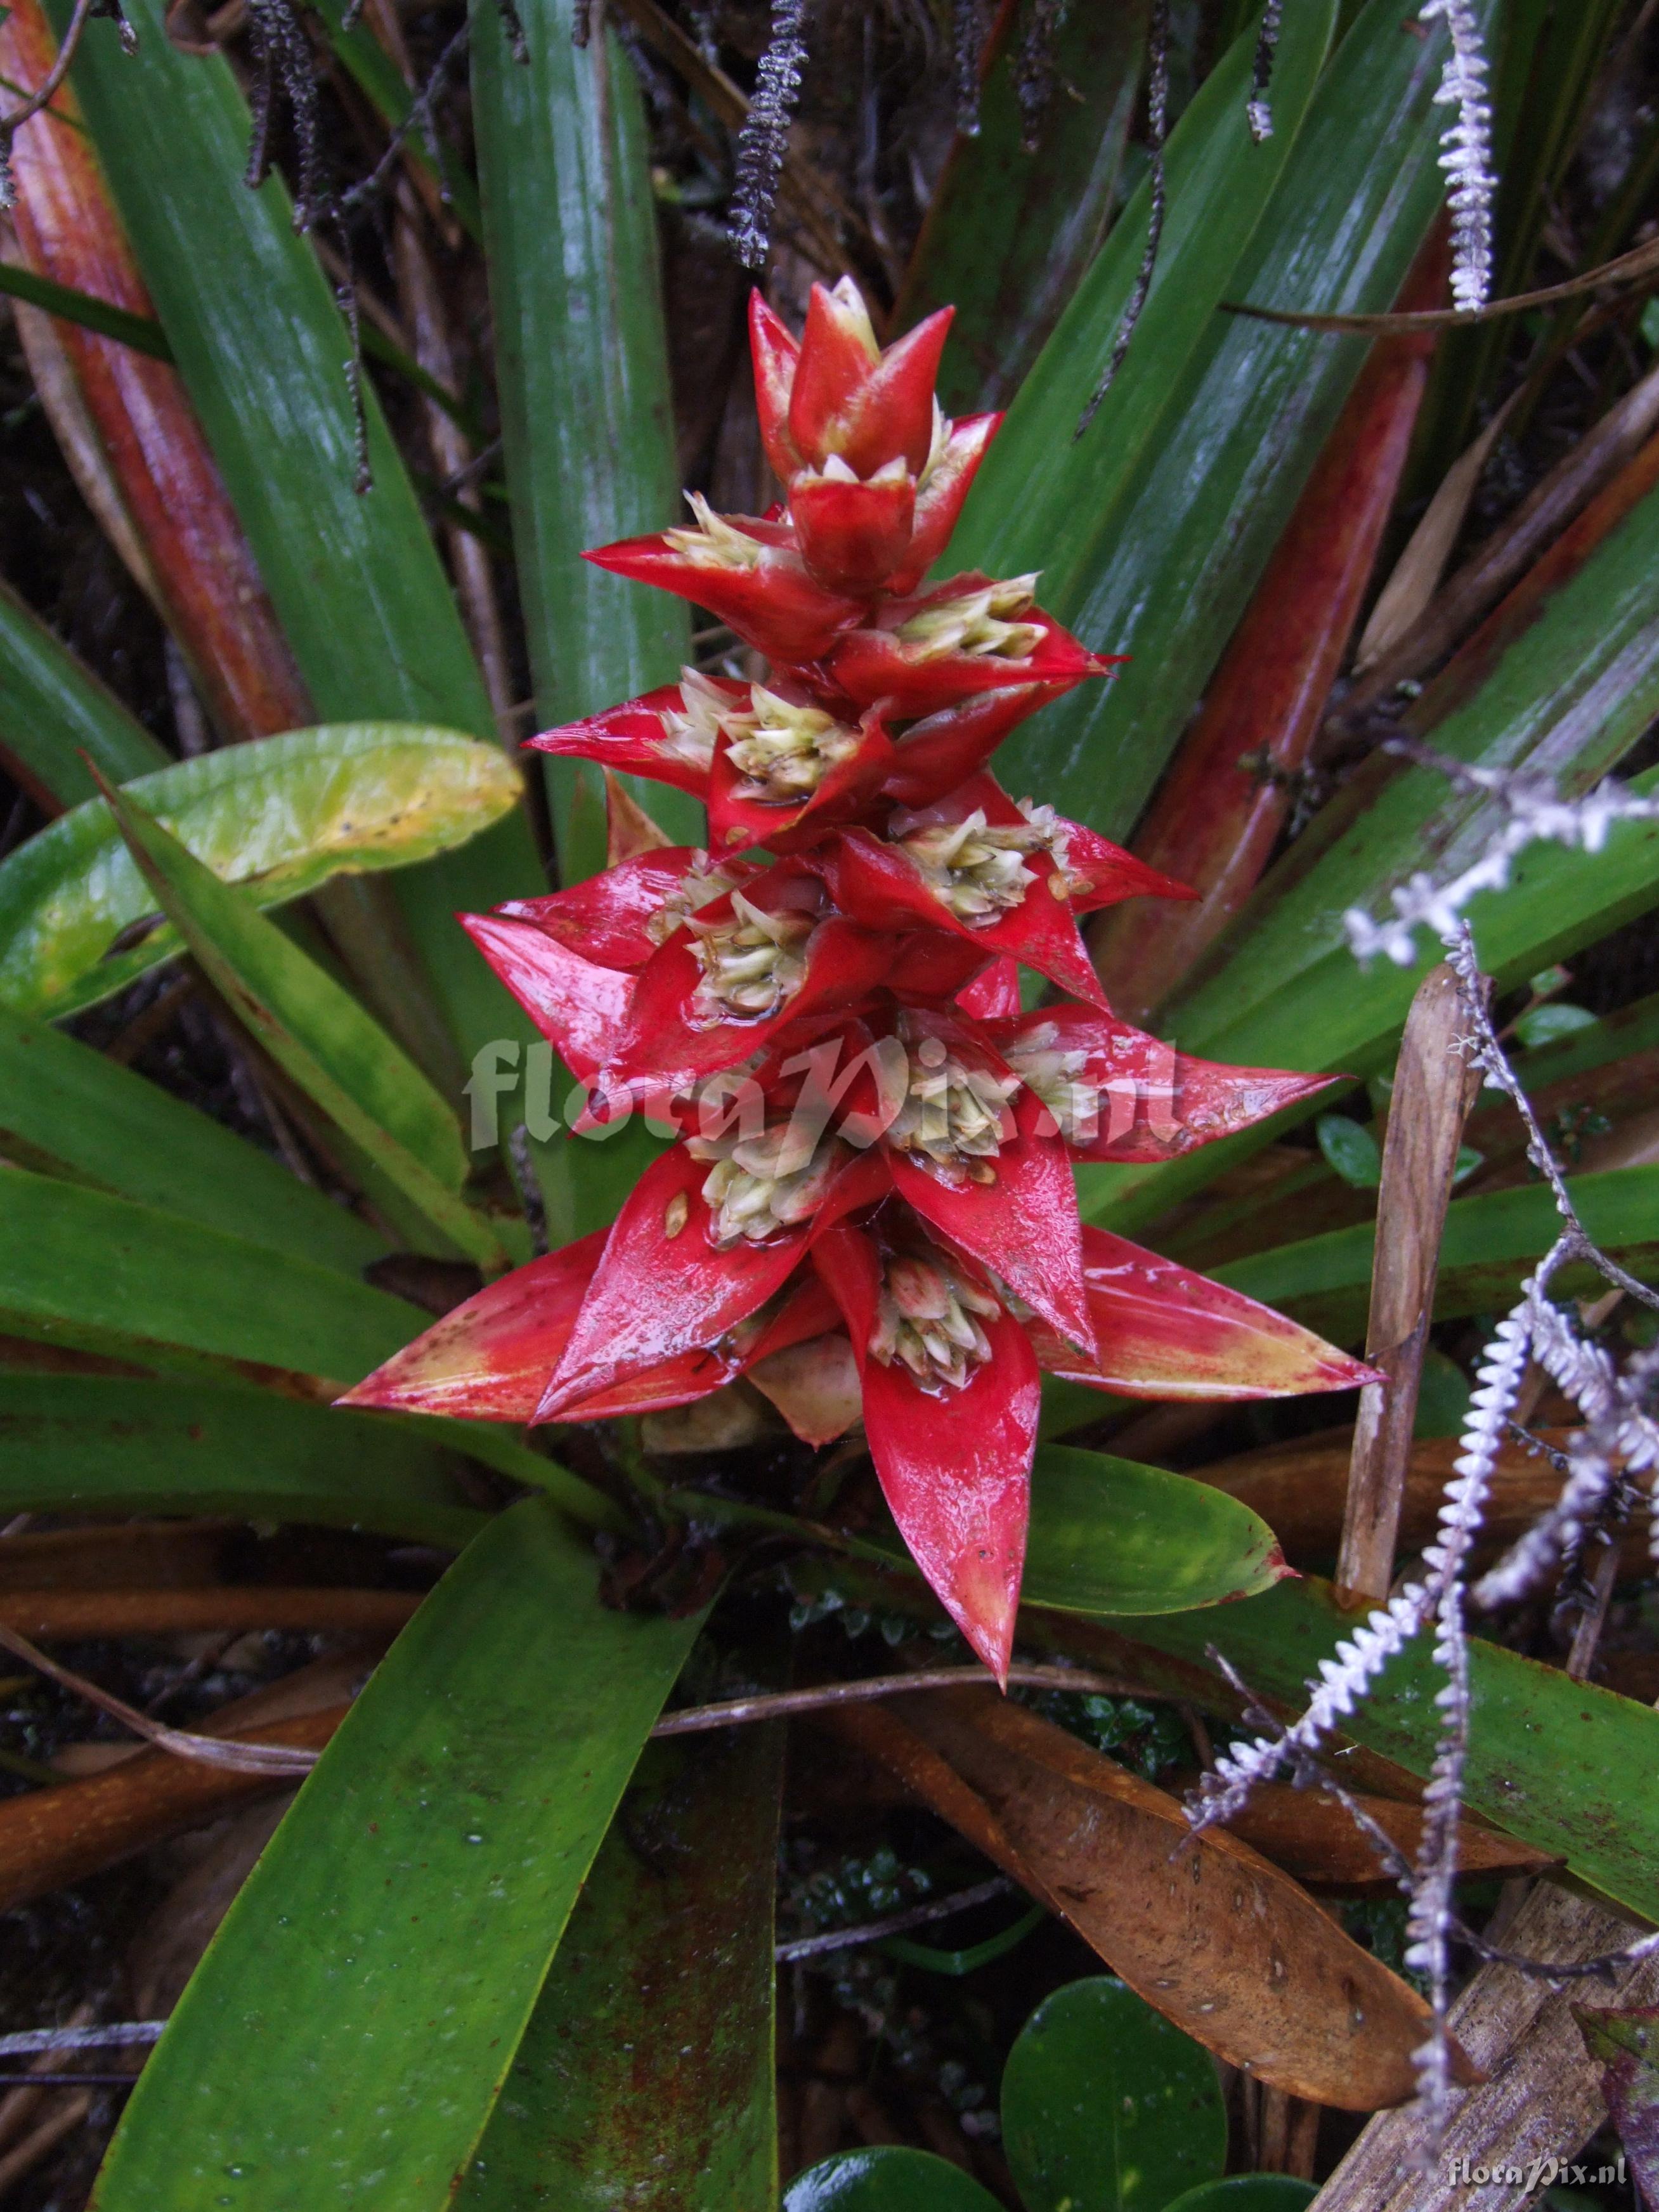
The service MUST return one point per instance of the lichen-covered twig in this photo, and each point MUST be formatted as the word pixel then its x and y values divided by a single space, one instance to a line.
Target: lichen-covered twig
pixel 765 136
pixel 1157 124
pixel 1466 151
pixel 1529 809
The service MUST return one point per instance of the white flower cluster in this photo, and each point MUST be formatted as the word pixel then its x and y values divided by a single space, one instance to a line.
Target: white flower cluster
pixel 1465 151
pixel 1533 811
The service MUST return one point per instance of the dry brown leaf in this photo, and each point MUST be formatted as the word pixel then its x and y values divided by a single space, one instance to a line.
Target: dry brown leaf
pixel 1298 1489
pixel 1221 1941
pixel 105 1613
pixel 1313 1838
pixel 1411 583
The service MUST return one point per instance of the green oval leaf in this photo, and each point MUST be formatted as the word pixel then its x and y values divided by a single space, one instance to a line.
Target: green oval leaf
pixel 889 2178
pixel 1107 1535
pixel 1544 1024
pixel 1248 2192
pixel 281 816
pixel 1106 2107
pixel 1350 1147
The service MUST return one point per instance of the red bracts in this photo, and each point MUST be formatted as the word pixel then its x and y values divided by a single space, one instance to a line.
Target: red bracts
pixel 870 1210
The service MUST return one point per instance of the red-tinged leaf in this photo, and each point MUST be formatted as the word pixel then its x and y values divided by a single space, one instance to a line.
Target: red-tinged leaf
pixel 774 351
pixel 940 497
pixel 943 751
pixel 867 408
pixel 1218 811
pixel 607 919
pixel 581 1008
pixel 955 1467
pixel 913 676
pixel 803 1310
pixel 633 739
pixel 1123 1095
pixel 1023 1226
pixel 814 1385
pixel 1625 2045
pixel 771 603
pixel 993 994
pixel 662 1288
pixel 678 1382
pixel 668 1042
pixel 490 1359
pixel 199 567
pixel 1163 1331
pixel 848 788
pixel 875 881
pixel 853 536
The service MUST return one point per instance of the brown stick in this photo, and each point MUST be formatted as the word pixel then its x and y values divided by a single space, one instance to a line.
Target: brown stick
pixel 100 1612
pixel 1543 2098
pixel 50 1837
pixel 1434 1089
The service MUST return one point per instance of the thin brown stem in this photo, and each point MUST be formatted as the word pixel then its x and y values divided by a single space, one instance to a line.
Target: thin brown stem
pixel 779 1704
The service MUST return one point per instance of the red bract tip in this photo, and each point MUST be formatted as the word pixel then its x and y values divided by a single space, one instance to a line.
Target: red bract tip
pixel 849 400
pixel 971 634
pixel 759 588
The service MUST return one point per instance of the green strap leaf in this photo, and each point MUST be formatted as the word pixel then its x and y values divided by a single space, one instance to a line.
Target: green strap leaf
pixel 1105 2104
pixel 383 1958
pixel 316 1031
pixel 1011 231
pixel 101 1274
pixel 354 577
pixel 581 368
pixel 1489 1243
pixel 142 333
pixel 89 1443
pixel 66 1110
pixel 52 710
pixel 1557 901
pixel 1163 567
pixel 648 2074
pixel 282 815
pixel 1022 508
pixel 1570 697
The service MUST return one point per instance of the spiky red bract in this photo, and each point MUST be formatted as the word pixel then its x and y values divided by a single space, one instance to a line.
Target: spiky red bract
pixel 869 1210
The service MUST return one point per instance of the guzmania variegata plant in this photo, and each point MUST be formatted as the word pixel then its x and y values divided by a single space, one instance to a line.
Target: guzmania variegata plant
pixel 869 1210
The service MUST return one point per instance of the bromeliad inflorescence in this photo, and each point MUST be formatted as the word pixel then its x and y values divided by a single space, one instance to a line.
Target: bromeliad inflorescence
pixel 869 1211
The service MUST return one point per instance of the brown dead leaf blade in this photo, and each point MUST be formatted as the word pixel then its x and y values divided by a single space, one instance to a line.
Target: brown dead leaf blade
pixel 1225 1944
